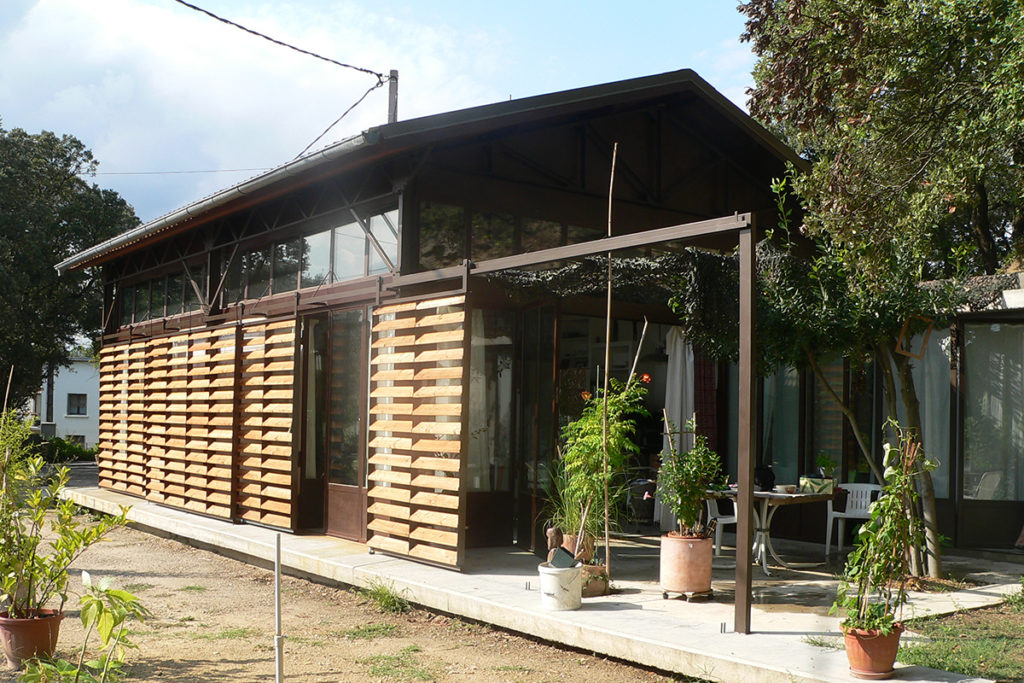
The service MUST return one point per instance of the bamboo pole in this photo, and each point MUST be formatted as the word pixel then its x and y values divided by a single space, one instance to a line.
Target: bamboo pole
pixel 607 361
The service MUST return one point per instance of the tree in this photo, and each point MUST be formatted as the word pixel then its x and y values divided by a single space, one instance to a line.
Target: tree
pixel 912 110
pixel 48 212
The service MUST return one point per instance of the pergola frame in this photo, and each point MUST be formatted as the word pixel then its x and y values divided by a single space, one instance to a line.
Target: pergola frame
pixel 744 228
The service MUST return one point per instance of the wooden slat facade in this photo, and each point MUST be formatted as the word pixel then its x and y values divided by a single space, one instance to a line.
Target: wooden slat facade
pixel 201 420
pixel 416 420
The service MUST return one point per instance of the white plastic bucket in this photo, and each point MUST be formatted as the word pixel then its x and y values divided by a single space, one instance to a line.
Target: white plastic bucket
pixel 561 589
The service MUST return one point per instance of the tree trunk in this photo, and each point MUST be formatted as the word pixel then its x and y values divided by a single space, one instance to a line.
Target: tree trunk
pixel 982 228
pixel 924 479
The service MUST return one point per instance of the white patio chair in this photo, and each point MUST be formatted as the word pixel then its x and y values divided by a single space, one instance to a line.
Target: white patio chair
pixel 723 519
pixel 858 502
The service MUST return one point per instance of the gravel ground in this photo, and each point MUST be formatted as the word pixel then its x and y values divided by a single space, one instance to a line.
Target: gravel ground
pixel 213 620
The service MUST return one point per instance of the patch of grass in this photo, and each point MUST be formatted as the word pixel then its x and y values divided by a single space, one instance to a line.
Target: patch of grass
pixel 403 666
pixel 1015 601
pixel 229 634
pixel 371 631
pixel 193 589
pixel 387 599
pixel 138 587
pixel 185 619
pixel 513 668
pixel 988 643
pixel 825 642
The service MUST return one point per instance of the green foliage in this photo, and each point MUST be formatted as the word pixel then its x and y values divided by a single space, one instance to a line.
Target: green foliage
pixel 684 480
pixel 371 631
pixel 578 477
pixel 48 212
pixel 58 450
pixel 982 643
pixel 402 666
pixel 107 612
pixel 386 597
pixel 912 112
pixel 872 590
pixel 33 571
pixel 1015 601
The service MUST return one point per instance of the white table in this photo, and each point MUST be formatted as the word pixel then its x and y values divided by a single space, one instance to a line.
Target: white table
pixel 766 503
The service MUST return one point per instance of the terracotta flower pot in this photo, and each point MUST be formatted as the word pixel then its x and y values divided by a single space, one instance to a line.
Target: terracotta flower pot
pixel 586 551
pixel 595 580
pixel 685 564
pixel 871 655
pixel 27 638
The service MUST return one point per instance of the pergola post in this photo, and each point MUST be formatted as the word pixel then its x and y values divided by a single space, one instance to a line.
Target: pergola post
pixel 747 427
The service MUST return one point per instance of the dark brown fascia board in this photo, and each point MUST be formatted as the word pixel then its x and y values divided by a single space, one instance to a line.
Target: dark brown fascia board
pixel 672 233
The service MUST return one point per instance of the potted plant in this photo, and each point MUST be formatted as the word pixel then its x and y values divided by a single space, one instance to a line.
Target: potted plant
pixel 683 483
pixel 578 478
pixel 33 561
pixel 872 591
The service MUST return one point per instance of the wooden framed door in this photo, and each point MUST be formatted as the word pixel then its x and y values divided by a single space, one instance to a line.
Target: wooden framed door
pixel 345 451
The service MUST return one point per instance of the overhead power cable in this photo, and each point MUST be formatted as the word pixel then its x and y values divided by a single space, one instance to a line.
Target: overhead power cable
pixel 380 77
pixel 212 170
pixel 338 120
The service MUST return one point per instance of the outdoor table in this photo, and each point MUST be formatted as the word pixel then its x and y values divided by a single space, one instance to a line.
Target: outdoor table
pixel 769 502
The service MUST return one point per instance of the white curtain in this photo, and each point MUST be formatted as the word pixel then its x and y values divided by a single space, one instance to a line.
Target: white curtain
pixel 678 404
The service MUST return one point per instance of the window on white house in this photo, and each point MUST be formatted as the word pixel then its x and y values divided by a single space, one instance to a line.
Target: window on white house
pixel 78 404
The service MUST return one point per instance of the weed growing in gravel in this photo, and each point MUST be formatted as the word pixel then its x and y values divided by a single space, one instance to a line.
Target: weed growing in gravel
pixel 387 599
pixel 229 633
pixel 514 668
pixel 193 589
pixel 138 587
pixel 371 631
pixel 402 666
pixel 1015 601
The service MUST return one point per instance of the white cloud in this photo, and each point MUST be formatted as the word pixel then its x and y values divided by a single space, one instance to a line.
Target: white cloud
pixel 149 85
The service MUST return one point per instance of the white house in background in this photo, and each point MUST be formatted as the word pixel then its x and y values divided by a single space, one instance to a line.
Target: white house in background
pixel 73 412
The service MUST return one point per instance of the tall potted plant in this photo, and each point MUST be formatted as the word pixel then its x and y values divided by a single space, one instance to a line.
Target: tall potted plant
pixel 34 563
pixel 683 483
pixel 872 591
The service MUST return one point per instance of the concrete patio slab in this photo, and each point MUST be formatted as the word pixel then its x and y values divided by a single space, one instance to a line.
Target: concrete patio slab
pixel 635 623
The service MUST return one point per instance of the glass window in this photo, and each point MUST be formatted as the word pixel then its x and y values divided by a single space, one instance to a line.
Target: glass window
pixel 174 293
pixel 385 229
pixel 827 424
pixel 344 444
pixel 234 284
pixel 78 404
pixel 780 431
pixel 127 304
pixel 316 259
pixel 156 298
pixel 993 420
pixel 493 235
pixel 192 301
pixel 349 252
pixel 141 301
pixel 287 257
pixel 490 399
pixel 257 272
pixel 577 233
pixel 442 235
pixel 537 234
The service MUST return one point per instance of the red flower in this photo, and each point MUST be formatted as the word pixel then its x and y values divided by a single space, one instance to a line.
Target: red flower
pixel 645 378
pixel 585 395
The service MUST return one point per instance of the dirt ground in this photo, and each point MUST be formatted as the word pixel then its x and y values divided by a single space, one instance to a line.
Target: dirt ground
pixel 213 620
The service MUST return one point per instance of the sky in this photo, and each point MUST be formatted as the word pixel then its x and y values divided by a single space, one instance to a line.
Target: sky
pixel 153 87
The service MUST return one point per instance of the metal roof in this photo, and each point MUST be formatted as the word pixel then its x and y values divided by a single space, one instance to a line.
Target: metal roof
pixel 388 139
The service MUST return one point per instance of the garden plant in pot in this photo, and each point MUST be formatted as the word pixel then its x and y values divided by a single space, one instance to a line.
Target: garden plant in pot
pixel 872 591
pixel 40 536
pixel 578 478
pixel 683 483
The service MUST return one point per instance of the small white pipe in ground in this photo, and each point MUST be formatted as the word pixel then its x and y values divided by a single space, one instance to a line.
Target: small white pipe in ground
pixel 278 638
